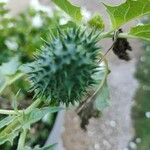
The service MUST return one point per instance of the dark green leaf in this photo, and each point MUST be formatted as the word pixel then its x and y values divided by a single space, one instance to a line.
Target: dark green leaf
pixel 9 136
pixel 24 121
pixel 141 31
pixel 36 115
pixel 127 11
pixel 6 121
pixel 69 8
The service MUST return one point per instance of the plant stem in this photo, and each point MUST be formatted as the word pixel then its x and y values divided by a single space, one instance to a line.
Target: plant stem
pixel 126 35
pixel 9 112
pixel 22 140
pixel 7 83
pixel 106 53
pixel 106 35
pixel 120 35
pixel 28 110
pixel 16 122
pixel 33 105
pixel 92 98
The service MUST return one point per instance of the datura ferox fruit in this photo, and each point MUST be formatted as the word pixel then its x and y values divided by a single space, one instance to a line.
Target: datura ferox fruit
pixel 64 66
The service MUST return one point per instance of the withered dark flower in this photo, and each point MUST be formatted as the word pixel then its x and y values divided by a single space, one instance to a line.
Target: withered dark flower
pixel 121 46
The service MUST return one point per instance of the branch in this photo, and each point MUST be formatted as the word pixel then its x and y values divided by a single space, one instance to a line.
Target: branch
pixel 14 124
pixel 33 105
pixel 126 35
pixel 92 98
pixel 7 83
pixel 22 140
pixel 10 112
pixel 110 34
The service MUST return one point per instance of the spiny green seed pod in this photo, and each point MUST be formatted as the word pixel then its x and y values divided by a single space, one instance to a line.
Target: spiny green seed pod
pixel 64 67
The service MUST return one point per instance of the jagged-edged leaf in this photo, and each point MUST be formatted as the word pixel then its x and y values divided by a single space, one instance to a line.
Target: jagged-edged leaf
pixel 9 136
pixel 127 11
pixel 36 115
pixel 141 31
pixel 102 98
pixel 97 22
pixel 10 131
pixel 69 8
pixel 24 121
pixel 6 121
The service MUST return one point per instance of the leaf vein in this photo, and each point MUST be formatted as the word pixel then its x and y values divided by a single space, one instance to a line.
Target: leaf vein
pixel 127 12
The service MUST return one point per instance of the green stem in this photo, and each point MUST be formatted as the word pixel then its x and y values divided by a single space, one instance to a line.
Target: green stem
pixel 16 122
pixel 92 98
pixel 9 112
pixel 18 76
pixel 28 110
pixel 22 140
pixel 33 105
pixel 126 35
pixel 106 35
pixel 110 34
pixel 121 35
pixel 103 80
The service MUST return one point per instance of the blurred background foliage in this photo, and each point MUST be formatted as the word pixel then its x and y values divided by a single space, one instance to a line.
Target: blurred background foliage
pixel 20 37
pixel 141 108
